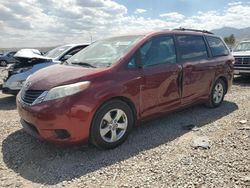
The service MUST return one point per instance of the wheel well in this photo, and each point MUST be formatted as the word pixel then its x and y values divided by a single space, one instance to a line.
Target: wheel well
pixel 225 81
pixel 128 102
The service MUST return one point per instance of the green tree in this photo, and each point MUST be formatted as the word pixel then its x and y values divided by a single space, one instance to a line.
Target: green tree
pixel 230 40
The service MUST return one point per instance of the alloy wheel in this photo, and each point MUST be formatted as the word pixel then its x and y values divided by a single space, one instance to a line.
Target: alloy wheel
pixel 218 93
pixel 113 125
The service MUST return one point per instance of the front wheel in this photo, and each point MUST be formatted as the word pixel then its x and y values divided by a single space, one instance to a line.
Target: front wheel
pixel 217 94
pixel 111 124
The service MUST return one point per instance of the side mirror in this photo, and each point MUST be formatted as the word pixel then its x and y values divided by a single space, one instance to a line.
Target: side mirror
pixel 66 57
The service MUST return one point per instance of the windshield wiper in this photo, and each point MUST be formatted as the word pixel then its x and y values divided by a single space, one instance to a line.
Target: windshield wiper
pixel 83 64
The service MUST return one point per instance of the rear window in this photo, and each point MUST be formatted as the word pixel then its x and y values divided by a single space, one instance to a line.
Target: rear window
pixel 217 47
pixel 192 47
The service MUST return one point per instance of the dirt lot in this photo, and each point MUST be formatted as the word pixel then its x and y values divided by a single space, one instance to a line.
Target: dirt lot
pixel 157 154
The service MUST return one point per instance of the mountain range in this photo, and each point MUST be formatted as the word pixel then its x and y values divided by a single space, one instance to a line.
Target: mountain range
pixel 240 34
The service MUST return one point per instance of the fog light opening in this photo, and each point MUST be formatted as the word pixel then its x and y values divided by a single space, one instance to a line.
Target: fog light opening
pixel 62 134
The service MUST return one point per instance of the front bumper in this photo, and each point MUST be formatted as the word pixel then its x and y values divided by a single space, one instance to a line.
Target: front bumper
pixel 59 121
pixel 6 90
pixel 12 87
pixel 241 70
pixel 237 72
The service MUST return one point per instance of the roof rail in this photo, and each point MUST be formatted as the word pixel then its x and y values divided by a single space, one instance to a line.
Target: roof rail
pixel 195 30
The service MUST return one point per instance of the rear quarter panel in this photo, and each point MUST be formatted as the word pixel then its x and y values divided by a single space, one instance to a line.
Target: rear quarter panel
pixel 224 69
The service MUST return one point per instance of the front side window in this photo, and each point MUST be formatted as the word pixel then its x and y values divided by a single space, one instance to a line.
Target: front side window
pixel 192 47
pixel 10 54
pixel 159 50
pixel 57 51
pixel 75 50
pixel 217 47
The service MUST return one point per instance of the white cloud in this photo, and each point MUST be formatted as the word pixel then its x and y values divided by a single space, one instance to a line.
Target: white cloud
pixel 235 3
pixel 140 11
pixel 173 16
pixel 52 22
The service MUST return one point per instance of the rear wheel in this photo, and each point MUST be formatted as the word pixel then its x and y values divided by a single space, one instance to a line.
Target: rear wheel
pixel 3 63
pixel 217 94
pixel 111 124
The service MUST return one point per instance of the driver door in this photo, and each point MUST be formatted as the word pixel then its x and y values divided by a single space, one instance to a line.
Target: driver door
pixel 161 90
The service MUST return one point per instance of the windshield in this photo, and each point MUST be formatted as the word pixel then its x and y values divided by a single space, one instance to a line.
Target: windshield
pixel 56 51
pixel 105 52
pixel 244 46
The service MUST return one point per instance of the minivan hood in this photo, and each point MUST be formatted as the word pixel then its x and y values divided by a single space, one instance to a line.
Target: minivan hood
pixel 57 75
pixel 241 53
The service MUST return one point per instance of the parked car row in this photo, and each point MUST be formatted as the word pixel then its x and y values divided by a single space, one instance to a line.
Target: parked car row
pixel 102 92
pixel 31 60
pixel 7 58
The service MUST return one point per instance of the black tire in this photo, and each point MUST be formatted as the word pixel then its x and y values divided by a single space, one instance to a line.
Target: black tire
pixel 3 63
pixel 213 101
pixel 99 123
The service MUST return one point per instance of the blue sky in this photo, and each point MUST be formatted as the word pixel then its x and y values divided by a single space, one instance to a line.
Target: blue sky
pixel 53 22
pixel 185 7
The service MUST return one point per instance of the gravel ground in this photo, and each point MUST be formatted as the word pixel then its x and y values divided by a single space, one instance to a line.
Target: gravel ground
pixel 157 154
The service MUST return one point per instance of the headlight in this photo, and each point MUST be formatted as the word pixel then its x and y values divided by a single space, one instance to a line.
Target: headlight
pixel 66 90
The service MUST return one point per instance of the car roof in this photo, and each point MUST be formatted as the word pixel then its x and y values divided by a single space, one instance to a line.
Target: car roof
pixel 162 32
pixel 186 32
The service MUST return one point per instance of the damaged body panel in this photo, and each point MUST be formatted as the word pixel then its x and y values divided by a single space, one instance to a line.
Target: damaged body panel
pixel 17 76
pixel 30 61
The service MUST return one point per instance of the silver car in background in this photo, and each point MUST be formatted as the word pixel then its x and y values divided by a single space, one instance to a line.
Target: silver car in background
pixel 31 60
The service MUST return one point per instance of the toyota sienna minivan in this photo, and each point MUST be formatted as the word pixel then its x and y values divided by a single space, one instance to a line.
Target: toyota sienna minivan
pixel 102 92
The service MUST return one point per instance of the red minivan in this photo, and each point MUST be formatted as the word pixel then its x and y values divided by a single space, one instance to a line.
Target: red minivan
pixel 102 92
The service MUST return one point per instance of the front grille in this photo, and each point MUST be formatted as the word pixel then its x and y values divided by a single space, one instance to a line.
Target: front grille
pixel 30 96
pixel 242 60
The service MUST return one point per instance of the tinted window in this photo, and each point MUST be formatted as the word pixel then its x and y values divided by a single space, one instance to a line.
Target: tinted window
pixel 159 50
pixel 192 47
pixel 218 48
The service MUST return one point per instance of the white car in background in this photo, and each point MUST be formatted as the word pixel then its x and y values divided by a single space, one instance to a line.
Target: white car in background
pixel 31 61
pixel 241 54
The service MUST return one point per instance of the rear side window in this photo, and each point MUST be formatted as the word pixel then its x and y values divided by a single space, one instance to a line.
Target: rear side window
pixel 159 50
pixel 217 47
pixel 192 47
